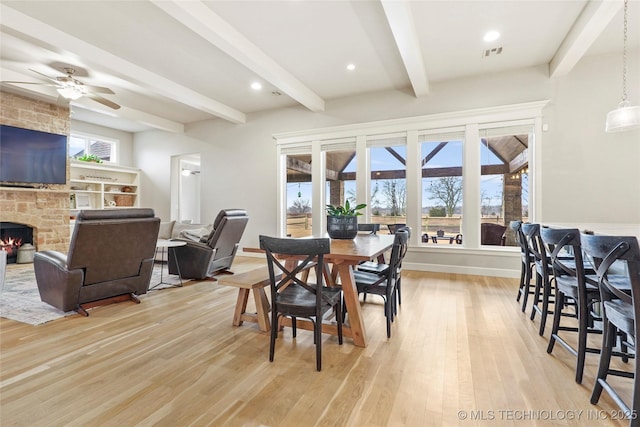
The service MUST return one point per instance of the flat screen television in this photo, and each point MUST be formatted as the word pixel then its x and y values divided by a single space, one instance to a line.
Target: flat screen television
pixel 32 157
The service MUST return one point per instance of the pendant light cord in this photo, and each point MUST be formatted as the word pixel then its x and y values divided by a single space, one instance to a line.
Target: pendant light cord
pixel 624 56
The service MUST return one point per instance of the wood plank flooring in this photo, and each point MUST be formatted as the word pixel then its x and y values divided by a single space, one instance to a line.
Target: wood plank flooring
pixel 461 353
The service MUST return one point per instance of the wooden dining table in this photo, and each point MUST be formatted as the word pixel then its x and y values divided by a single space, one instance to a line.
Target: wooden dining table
pixel 344 255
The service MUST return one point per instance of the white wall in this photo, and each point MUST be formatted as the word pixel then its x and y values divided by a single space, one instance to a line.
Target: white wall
pixel 125 147
pixel 587 176
pixel 152 153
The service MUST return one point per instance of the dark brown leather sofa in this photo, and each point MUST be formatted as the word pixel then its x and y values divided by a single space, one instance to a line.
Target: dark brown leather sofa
pixel 215 252
pixel 110 255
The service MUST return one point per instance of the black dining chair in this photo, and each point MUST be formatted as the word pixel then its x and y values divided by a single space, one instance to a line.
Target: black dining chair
pixel 394 227
pixel 617 260
pixel 293 296
pixel 381 267
pixel 526 264
pixel 372 228
pixel 386 285
pixel 576 285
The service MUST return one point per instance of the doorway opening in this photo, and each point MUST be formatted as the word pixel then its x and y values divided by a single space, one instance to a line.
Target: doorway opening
pixel 185 188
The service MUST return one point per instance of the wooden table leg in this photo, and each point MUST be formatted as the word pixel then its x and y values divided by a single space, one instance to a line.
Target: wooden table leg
pixel 350 292
pixel 241 306
pixel 262 308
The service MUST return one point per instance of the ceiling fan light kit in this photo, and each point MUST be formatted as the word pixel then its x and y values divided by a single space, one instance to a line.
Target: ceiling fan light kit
pixel 70 92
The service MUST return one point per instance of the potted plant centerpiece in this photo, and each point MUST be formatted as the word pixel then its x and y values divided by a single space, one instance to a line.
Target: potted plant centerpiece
pixel 342 221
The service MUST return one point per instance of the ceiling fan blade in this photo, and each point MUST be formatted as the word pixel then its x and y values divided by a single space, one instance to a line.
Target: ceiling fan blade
pixel 44 75
pixel 30 83
pixel 103 101
pixel 99 89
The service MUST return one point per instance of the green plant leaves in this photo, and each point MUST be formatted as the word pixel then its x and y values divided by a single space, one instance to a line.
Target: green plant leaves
pixel 346 210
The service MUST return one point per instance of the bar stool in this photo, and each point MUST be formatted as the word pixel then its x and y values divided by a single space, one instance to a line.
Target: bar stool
pixel 544 274
pixel 527 263
pixel 620 295
pixel 575 287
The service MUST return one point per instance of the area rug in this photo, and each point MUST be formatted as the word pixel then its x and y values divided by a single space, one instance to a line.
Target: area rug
pixel 20 300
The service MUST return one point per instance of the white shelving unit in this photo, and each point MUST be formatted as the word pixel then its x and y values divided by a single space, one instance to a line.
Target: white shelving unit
pixel 100 186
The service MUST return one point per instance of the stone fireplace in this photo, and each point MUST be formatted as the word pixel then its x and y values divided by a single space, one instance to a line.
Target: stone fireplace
pixel 12 237
pixel 44 210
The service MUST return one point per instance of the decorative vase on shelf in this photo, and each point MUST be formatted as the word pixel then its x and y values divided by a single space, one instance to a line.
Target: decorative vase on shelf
pixel 342 227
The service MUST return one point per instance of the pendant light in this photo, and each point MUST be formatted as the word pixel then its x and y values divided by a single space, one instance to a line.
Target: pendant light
pixel 625 117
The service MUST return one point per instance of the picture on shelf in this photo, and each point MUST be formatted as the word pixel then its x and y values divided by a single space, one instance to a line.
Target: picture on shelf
pixel 83 201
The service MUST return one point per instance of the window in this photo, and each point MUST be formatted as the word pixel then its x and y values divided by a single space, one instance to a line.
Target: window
pixel 298 195
pixel 448 176
pixel 442 191
pixel 340 176
pixel 104 148
pixel 388 186
pixel 504 181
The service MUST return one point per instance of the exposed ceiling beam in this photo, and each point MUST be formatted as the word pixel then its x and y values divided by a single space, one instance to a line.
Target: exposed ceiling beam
pixel 48 35
pixel 520 162
pixel 131 114
pixel 196 16
pixel 404 32
pixel 594 18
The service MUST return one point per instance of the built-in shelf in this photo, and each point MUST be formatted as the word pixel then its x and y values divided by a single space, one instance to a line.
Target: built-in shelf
pixel 99 186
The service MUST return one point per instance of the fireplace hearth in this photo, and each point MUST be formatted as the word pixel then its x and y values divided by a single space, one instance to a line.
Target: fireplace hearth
pixel 12 236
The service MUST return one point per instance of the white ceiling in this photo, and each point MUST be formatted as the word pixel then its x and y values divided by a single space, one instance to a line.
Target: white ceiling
pixel 175 62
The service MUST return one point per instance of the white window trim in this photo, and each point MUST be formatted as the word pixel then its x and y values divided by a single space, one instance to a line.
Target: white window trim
pixel 114 141
pixel 471 120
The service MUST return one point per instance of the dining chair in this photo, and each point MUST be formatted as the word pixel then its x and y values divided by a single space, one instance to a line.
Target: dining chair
pixel 292 295
pixel 372 228
pixel 386 285
pixel 576 285
pixel 544 274
pixel 526 264
pixel 394 227
pixel 381 267
pixel 620 293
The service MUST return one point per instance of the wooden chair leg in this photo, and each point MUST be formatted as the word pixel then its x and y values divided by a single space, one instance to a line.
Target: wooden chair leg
pixel 557 315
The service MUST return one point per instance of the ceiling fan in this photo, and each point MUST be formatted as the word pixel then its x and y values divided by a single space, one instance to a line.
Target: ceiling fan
pixel 71 88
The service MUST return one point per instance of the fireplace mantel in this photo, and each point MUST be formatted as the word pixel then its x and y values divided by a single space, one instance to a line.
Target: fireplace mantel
pixel 44 190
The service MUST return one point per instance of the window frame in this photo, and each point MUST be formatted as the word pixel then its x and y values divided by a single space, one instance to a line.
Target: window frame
pixel 471 121
pixel 88 137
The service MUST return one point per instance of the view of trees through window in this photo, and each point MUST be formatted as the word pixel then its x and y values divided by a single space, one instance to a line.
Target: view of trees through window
pixel 504 186
pixel 299 195
pixel 388 197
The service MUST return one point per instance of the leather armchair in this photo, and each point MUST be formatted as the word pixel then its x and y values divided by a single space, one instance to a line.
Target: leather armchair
pixel 215 252
pixel 110 255
pixel 492 234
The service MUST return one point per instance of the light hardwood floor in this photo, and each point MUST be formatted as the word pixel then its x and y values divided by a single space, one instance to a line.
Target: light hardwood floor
pixel 460 347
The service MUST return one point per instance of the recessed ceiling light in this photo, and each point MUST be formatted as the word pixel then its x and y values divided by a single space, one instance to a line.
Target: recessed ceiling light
pixel 491 36
pixel 351 67
pixel 256 85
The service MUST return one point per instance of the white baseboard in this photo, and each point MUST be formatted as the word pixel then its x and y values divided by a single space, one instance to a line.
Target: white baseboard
pixel 438 268
pixel 458 269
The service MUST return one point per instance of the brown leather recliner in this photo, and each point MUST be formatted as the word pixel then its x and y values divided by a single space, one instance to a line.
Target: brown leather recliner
pixel 110 255
pixel 215 252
